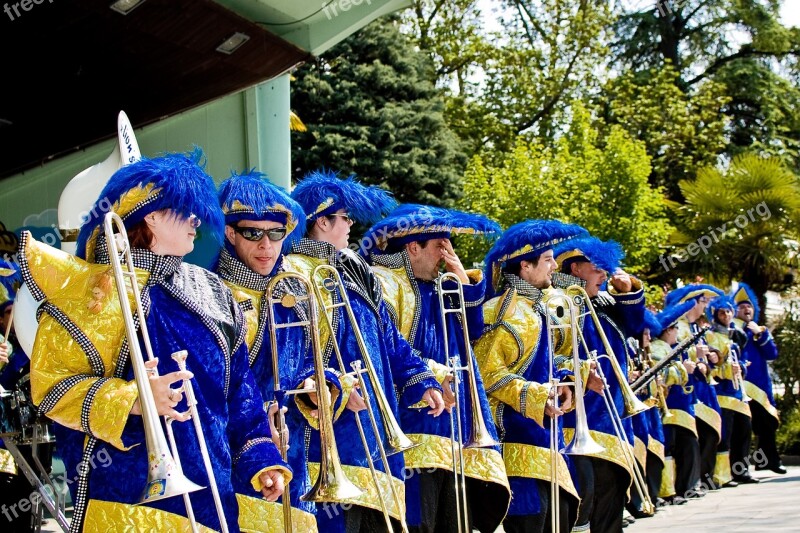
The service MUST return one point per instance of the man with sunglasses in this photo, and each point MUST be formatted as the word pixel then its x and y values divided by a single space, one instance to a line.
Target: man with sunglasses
pixel 332 205
pixel 260 219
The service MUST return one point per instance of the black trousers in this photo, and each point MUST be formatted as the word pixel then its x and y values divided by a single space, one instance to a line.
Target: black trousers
pixel 684 448
pixel 654 472
pixel 708 440
pixel 437 496
pixel 736 429
pixel 764 426
pixel 540 523
pixel 359 519
pixel 603 487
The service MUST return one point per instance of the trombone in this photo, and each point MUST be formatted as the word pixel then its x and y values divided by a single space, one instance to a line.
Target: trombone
pixel 165 476
pixel 331 484
pixel 582 442
pixel 479 436
pixel 326 277
pixel 632 404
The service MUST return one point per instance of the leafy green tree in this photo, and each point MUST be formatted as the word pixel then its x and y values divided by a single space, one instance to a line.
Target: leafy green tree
pixel 739 223
pixel 599 183
pixel 372 109
pixel 740 44
pixel 682 130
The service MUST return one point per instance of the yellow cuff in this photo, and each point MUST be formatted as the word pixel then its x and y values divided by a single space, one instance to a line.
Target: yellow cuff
pixel 439 370
pixel 535 400
pixel 305 406
pixel 256 482
pixel 110 409
pixel 475 275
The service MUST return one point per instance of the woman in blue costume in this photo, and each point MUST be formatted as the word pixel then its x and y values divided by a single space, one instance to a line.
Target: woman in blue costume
pixel 513 355
pixel 604 478
pixel 261 221
pixel 408 247
pixel 708 414
pixel 81 373
pixel 332 206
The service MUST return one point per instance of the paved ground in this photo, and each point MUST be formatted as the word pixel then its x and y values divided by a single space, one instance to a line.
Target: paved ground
pixel 772 505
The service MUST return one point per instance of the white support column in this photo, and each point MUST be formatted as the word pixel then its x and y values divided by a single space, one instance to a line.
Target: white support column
pixel 269 142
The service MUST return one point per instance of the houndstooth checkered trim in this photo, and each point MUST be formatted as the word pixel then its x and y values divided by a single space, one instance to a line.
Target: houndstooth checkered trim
pixel 560 280
pixel 249 445
pixel 522 287
pixel 416 379
pixel 59 390
pixel 88 400
pixel 502 382
pixel 25 270
pixel 231 269
pixel 318 249
pixel 95 361
pixel 498 417
pixel 246 305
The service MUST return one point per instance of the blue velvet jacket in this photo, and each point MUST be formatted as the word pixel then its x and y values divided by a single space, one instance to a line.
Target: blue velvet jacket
pixel 249 291
pixel 513 355
pixel 415 308
pixel 729 395
pixel 621 316
pixel 706 406
pixel 402 374
pixel 82 379
pixel 756 353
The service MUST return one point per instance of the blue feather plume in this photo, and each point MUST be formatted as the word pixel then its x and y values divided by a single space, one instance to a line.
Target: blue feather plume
pixel 322 192
pixel 748 296
pixel 720 302
pixel 672 314
pixel 691 291
pixel 604 254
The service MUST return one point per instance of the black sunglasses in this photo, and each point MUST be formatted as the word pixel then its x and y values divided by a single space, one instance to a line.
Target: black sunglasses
pixel 256 234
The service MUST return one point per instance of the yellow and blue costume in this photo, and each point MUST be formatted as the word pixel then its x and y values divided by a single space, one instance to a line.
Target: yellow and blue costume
pixel 403 375
pixel 251 197
pixel 514 357
pixel 82 379
pixel 414 306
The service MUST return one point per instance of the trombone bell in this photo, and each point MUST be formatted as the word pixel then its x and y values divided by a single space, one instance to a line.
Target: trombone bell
pixel 164 479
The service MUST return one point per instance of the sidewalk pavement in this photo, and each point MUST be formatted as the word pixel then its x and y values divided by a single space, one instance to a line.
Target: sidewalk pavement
pixel 770 506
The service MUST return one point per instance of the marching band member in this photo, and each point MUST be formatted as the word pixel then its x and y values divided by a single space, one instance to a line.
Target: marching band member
pixel 332 206
pixel 409 246
pixel 260 221
pixel 604 478
pixel 734 445
pixel 82 377
pixel 514 356
pixel 707 411
pixel 758 350
pixel 681 448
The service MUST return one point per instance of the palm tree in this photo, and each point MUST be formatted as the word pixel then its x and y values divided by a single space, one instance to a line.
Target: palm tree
pixel 740 223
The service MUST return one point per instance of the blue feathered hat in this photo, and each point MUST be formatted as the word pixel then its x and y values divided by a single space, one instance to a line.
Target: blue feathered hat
pixel 670 315
pixel 172 181
pixel 603 254
pixel 10 281
pixel 251 196
pixel 720 302
pixel 415 222
pixel 525 242
pixel 691 292
pixel 322 193
pixel 652 324
pixel 744 293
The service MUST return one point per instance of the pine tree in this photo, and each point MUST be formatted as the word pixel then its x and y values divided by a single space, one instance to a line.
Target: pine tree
pixel 372 109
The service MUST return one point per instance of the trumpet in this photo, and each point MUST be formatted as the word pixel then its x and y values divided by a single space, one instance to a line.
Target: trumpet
pixel 582 442
pixel 326 277
pixel 632 404
pixel 479 436
pixel 331 484
pixel 165 476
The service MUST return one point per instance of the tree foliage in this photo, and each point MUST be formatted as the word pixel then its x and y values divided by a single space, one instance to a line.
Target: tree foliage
pixel 600 183
pixel 748 213
pixel 372 109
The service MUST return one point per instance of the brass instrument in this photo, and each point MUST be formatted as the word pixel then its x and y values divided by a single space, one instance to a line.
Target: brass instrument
pixel 331 484
pixel 479 436
pixel 326 277
pixel 165 476
pixel 632 404
pixel 582 442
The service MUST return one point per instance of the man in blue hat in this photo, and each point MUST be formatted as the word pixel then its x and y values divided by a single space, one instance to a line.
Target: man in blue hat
pixel 408 248
pixel 517 363
pixel 332 205
pixel 681 447
pixel 604 478
pixel 757 351
pixel 708 414
pixel 734 445
pixel 261 221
